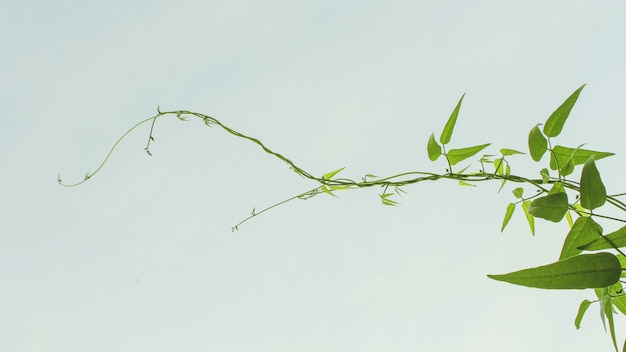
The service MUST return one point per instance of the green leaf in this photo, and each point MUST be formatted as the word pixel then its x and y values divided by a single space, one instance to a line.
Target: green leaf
pixel 545 175
pixel 581 312
pixel 585 230
pixel 568 216
pixel 578 272
pixel 560 156
pixel 434 149
pixel 457 155
pixel 607 309
pixel 329 175
pixel 551 207
pixel 537 143
pixel 529 217
pixel 557 187
pixel 555 122
pixel 518 192
pixel 328 191
pixel 506 152
pixel 386 201
pixel 463 183
pixel 507 172
pixel 498 165
pixel 446 134
pixel 592 190
pixel 507 216
pixel 617 238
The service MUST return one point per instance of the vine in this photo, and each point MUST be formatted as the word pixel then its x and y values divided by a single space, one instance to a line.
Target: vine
pixel 600 271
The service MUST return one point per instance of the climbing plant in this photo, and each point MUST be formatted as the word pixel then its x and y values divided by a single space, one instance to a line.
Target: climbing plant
pixel 589 258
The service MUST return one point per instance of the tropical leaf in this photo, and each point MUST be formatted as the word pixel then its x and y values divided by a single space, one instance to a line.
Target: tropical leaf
pixel 537 144
pixel 446 134
pixel 555 122
pixel 592 190
pixel 578 272
pixel 455 156
pixel 551 207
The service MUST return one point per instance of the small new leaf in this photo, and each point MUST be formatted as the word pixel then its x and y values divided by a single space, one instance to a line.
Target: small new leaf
pixel 518 192
pixel 446 134
pixel 506 152
pixel 507 216
pixel 329 175
pixel 529 217
pixel 555 122
pixel 578 272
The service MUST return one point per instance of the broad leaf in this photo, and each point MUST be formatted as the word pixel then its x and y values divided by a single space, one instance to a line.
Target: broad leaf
pixel 592 190
pixel 537 143
pixel 585 230
pixel 581 312
pixel 557 187
pixel 457 155
pixel 578 272
pixel 507 216
pixel 529 217
pixel 446 134
pixel 518 192
pixel 560 156
pixel 555 122
pixel 551 207
pixel 617 239
pixel 434 149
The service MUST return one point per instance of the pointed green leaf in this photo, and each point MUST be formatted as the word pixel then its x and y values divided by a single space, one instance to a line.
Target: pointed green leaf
pixel 592 190
pixel 518 192
pixel 585 230
pixel 560 156
pixel 555 122
pixel 617 238
pixel 570 222
pixel 327 191
pixel 607 309
pixel 529 217
pixel 446 134
pixel 545 175
pixel 329 175
pixel 568 168
pixel 581 312
pixel 507 216
pixel 457 155
pixel 537 144
pixel 578 272
pixel 506 152
pixel 498 165
pixel 463 183
pixel 434 149
pixel 551 207
pixel 557 187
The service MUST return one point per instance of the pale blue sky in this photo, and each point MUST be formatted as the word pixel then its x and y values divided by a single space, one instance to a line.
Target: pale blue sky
pixel 141 258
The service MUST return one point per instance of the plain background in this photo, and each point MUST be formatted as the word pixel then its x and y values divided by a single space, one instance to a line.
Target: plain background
pixel 142 258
